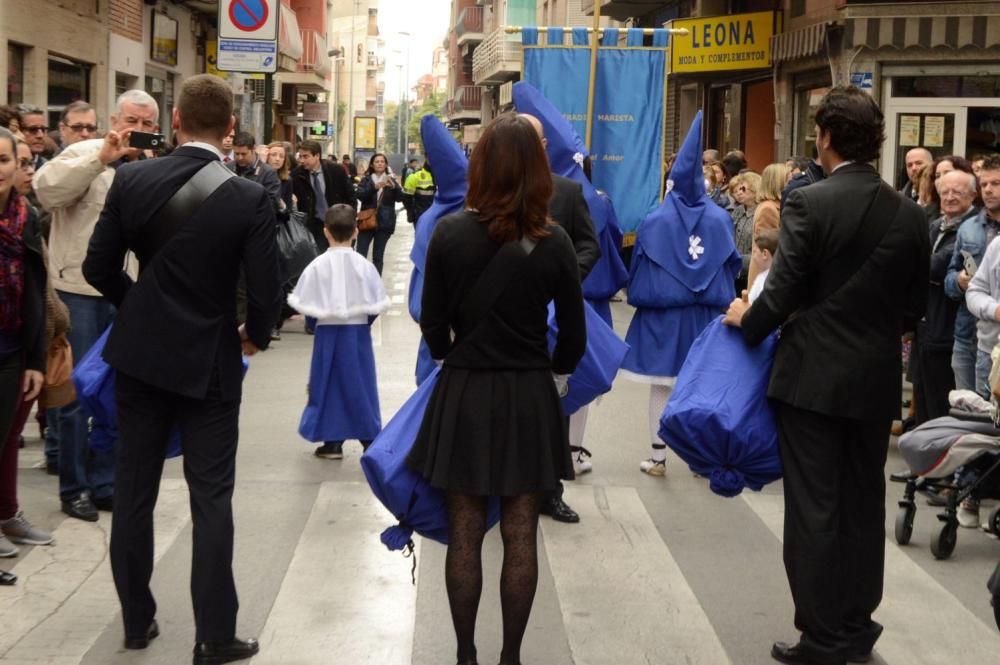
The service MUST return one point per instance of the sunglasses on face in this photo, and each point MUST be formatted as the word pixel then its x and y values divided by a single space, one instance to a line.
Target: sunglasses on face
pixel 35 129
pixel 79 127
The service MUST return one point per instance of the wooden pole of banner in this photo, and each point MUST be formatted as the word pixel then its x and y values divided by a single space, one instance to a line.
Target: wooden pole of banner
pixel 595 43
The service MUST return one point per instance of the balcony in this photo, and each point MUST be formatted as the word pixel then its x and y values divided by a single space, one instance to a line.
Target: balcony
pixel 466 105
pixel 469 26
pixel 621 10
pixel 314 58
pixel 497 59
pixel 376 63
pixel 310 71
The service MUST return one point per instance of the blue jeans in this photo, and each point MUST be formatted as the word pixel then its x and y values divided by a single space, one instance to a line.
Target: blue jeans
pixel 52 436
pixel 378 253
pixel 963 363
pixel 80 469
pixel 983 366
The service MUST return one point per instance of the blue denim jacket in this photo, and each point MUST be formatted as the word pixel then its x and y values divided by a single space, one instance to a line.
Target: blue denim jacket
pixel 972 239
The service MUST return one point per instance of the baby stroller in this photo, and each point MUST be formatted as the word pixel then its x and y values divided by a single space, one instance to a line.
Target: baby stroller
pixel 994 586
pixel 957 457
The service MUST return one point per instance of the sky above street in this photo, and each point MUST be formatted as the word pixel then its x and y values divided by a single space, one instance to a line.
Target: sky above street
pixel 427 24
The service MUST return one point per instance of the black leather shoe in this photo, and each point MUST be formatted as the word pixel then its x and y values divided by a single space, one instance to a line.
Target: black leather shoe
pixel 80 507
pixel 559 511
pixel 797 654
pixel 104 503
pixel 7 579
pixel 143 641
pixel 862 644
pixel 213 653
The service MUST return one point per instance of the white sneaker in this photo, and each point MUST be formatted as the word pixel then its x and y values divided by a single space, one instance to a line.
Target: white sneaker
pixel 968 514
pixel 581 464
pixel 653 468
pixel 7 548
pixel 20 530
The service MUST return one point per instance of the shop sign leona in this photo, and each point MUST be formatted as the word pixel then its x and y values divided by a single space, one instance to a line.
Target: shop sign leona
pixel 724 43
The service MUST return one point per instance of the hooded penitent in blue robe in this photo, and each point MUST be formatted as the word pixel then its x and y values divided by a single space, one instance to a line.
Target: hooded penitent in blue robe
pixel 684 266
pixel 566 154
pixel 450 169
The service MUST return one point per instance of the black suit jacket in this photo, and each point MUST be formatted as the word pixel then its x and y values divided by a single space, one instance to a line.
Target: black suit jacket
pixel 338 187
pixel 839 354
pixel 176 326
pixel 569 209
pixel 263 175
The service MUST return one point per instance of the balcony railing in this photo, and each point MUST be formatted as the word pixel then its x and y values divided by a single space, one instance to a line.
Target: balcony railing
pixel 469 26
pixel 375 62
pixel 497 58
pixel 466 104
pixel 314 53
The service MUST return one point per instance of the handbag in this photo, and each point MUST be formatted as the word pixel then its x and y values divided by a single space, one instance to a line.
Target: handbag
pixel 58 389
pixel 366 219
pixel 296 245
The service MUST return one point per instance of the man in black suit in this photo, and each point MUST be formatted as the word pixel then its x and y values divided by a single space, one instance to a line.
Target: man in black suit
pixel 569 209
pixel 247 164
pixel 319 184
pixel 175 347
pixel 845 289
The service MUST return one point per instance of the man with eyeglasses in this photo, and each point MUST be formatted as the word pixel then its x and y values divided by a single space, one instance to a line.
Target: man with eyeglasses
pixel 34 128
pixel 73 187
pixel 78 123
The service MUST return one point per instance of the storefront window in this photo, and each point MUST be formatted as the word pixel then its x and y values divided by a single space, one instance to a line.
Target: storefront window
pixel 15 74
pixel 69 81
pixel 806 104
pixel 946 86
pixel 983 133
pixel 934 131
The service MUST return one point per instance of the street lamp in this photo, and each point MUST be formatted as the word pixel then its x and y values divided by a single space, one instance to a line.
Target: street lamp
pixel 406 100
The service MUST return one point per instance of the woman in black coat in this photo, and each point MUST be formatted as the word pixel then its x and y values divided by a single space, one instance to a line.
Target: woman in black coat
pixel 23 343
pixel 381 190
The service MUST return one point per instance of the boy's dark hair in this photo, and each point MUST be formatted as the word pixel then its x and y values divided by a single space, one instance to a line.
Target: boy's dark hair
pixel 244 140
pixel 341 221
pixel 767 239
pixel 312 147
pixel 854 123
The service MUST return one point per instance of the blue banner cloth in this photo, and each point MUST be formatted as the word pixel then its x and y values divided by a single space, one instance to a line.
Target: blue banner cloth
pixel 581 37
pixel 561 75
pixel 718 419
pixel 627 135
pixel 610 37
pixel 416 505
pixel 596 371
pixel 94 380
pixel 634 37
pixel 529 36
pixel 554 36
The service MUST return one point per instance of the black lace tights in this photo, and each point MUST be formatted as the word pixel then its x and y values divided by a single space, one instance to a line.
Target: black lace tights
pixel 464 568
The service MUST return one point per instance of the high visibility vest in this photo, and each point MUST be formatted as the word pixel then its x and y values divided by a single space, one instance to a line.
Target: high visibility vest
pixel 419 183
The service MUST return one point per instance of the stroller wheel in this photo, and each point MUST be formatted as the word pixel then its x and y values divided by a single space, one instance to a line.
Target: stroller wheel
pixel 944 544
pixel 994 523
pixel 904 522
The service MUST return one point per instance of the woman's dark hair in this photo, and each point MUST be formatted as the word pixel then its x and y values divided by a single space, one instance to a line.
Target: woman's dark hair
pixel 509 180
pixel 854 123
pixel 8 113
pixel 371 163
pixel 960 164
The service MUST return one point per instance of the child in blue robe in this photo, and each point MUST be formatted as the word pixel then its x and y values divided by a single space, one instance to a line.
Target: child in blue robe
pixel 683 269
pixel 344 293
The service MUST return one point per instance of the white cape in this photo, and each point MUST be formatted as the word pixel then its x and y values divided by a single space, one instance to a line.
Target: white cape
pixel 340 286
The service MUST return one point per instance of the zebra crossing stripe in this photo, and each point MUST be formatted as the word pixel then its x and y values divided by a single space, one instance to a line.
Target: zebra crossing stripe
pixel 912 607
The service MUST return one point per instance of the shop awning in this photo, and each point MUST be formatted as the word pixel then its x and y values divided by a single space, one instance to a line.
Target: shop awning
pixel 802 43
pixel 923 31
pixel 290 39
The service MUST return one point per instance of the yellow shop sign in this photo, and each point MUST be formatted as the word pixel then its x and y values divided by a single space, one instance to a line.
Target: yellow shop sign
pixel 723 43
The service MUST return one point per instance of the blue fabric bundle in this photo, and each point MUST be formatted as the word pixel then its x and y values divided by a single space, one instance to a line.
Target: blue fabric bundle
pixel 404 492
pixel 718 419
pixel 596 371
pixel 94 380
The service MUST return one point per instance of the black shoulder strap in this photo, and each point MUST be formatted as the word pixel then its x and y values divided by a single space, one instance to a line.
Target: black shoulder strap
pixel 181 207
pixel 875 224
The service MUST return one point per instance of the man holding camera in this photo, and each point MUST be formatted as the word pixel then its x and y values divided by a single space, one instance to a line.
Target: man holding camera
pixel 73 187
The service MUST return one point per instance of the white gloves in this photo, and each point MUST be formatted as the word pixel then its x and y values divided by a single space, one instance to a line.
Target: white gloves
pixel 562 384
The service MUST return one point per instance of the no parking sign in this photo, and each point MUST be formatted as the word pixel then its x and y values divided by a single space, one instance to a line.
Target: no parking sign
pixel 248 35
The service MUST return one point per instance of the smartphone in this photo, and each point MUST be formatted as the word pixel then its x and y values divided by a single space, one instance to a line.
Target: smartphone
pixel 146 140
pixel 969 263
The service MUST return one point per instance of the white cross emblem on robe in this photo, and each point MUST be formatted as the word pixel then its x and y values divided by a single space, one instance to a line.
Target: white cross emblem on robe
pixel 695 249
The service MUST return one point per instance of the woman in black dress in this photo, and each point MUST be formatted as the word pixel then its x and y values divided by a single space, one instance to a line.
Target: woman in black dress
pixel 494 425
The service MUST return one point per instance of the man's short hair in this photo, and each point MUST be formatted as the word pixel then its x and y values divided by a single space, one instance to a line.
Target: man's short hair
pixel 341 221
pixel 854 123
pixel 244 140
pixel 139 98
pixel 205 105
pixel 78 106
pixel 347 157
pixel 29 109
pixel 991 162
pixel 312 147
pixel 734 162
pixel 767 239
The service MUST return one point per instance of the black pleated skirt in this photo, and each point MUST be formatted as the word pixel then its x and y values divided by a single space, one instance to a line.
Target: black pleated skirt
pixel 493 433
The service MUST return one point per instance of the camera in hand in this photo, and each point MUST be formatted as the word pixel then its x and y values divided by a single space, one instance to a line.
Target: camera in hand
pixel 146 140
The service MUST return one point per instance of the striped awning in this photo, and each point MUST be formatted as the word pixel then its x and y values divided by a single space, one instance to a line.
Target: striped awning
pixel 922 31
pixel 802 43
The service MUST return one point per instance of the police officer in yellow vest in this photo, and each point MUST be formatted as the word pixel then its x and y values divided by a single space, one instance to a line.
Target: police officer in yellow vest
pixel 418 192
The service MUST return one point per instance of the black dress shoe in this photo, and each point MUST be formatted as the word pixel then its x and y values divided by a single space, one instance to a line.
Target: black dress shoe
pixel 799 654
pixel 559 511
pixel 7 579
pixel 104 503
pixel 80 507
pixel 213 653
pixel 143 641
